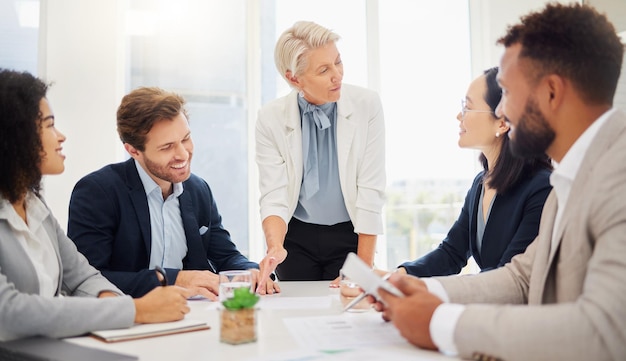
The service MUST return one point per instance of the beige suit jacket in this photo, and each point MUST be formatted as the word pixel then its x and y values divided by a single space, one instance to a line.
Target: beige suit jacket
pixel 360 154
pixel 571 304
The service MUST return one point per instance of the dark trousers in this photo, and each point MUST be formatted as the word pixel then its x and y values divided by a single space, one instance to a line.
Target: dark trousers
pixel 316 252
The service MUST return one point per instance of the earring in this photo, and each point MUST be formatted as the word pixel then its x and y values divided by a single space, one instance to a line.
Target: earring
pixel 301 93
pixel 497 134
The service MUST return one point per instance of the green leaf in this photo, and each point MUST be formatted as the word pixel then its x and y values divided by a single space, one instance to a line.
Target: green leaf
pixel 242 298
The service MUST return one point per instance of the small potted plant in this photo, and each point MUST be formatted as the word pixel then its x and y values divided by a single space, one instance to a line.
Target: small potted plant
pixel 238 317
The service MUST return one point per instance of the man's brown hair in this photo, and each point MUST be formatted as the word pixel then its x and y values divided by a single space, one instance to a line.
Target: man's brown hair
pixel 141 109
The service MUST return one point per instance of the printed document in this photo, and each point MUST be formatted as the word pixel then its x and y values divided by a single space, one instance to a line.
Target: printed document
pixel 345 331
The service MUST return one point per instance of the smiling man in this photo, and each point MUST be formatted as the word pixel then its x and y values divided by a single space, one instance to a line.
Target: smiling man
pixel 150 211
pixel 563 298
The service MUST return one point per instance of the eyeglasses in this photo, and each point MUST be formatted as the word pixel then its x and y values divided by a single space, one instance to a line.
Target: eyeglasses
pixel 465 110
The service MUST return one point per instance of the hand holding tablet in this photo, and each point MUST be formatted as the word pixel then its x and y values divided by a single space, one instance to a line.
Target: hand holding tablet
pixel 366 278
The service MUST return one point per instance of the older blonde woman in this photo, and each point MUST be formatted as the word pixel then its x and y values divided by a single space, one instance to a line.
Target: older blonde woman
pixel 321 157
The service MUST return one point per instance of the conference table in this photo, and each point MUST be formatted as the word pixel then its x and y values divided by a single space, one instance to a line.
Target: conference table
pixel 275 340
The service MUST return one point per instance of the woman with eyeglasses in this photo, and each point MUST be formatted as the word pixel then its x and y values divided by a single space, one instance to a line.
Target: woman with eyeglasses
pixel 40 268
pixel 501 214
pixel 321 157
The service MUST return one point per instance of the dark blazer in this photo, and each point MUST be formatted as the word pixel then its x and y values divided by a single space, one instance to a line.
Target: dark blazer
pixel 512 225
pixel 109 221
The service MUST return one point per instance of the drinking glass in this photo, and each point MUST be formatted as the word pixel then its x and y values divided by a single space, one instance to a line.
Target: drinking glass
pixel 230 280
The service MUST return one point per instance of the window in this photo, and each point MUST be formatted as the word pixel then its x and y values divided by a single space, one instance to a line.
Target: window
pixel 197 48
pixel 219 55
pixel 427 174
pixel 330 14
pixel 422 74
pixel 425 70
pixel 19 34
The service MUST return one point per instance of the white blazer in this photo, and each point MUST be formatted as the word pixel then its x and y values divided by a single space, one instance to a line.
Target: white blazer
pixel 360 153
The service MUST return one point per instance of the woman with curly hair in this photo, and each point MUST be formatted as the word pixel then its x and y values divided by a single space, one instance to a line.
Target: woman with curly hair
pixel 38 263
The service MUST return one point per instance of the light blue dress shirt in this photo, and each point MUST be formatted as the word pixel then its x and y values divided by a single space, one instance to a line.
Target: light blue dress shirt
pixel 326 206
pixel 169 245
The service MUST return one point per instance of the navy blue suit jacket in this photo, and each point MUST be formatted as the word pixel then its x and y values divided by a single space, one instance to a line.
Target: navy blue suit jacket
pixel 512 225
pixel 109 221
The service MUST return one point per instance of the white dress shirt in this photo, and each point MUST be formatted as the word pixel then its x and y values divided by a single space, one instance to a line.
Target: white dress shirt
pixel 35 241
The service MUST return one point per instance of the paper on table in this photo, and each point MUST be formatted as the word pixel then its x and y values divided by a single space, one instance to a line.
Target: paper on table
pixel 291 355
pixel 150 330
pixel 279 302
pixel 343 331
pixel 409 352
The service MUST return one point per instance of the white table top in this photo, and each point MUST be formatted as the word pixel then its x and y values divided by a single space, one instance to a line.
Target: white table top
pixel 274 339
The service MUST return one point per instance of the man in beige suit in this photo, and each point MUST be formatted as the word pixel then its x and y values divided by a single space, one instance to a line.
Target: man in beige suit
pixel 565 297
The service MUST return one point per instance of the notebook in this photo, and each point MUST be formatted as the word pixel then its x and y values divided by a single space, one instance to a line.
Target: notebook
pixel 150 330
pixel 51 349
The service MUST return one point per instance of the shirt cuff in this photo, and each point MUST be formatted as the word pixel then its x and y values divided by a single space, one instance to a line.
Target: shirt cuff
pixel 442 326
pixel 444 319
pixel 435 287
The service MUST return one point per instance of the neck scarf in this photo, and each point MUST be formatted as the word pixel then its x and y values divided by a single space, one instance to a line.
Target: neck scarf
pixel 313 116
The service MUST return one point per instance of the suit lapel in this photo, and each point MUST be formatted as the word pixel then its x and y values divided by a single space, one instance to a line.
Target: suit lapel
pixel 600 144
pixel 50 229
pixel 140 203
pixel 541 261
pixel 196 253
pixel 293 137
pixel 474 213
pixel 346 130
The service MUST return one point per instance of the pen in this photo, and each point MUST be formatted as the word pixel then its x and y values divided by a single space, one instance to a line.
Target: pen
pixel 162 272
pixel 360 297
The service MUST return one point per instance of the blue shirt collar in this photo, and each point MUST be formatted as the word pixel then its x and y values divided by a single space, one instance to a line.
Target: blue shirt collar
pixel 149 185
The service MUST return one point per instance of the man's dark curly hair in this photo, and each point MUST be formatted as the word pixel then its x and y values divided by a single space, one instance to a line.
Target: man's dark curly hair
pixel 20 140
pixel 575 42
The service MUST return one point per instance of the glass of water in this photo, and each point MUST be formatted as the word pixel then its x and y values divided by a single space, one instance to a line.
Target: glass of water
pixel 230 280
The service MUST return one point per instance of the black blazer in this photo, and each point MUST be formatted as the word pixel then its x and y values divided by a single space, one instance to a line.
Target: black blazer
pixel 512 225
pixel 109 221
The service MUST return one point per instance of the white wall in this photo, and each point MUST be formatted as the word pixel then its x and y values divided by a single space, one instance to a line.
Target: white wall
pixel 489 20
pixel 615 10
pixel 82 53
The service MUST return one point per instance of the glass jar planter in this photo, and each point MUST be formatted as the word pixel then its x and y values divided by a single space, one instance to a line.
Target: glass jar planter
pixel 238 326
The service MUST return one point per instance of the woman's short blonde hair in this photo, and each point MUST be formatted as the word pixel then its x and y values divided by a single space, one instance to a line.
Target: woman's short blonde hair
pixel 295 42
